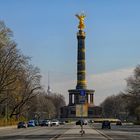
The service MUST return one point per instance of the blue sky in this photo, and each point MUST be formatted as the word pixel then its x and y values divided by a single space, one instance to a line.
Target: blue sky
pixel 46 31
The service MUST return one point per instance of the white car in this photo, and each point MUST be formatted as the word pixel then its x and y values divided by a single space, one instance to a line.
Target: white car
pixel 85 122
pixel 55 122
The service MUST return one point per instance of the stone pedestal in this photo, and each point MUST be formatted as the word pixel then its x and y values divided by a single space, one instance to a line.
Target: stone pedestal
pixel 74 101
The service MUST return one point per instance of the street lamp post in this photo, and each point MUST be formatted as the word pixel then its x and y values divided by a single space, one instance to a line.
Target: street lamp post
pixel 82 101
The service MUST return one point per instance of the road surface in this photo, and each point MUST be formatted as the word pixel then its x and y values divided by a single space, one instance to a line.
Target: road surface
pixel 71 132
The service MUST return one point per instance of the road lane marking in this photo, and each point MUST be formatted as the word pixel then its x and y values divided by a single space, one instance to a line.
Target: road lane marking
pixel 55 137
pixel 58 135
pixel 103 134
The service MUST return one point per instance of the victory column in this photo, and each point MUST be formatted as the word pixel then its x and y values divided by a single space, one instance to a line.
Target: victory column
pixel 81 95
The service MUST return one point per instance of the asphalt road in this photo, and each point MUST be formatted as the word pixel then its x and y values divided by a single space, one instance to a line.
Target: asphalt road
pixel 124 132
pixel 36 133
pixel 71 132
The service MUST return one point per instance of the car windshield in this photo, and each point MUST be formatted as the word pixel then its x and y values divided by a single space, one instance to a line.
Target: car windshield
pixel 21 122
pixel 106 122
pixel 54 120
pixel 31 121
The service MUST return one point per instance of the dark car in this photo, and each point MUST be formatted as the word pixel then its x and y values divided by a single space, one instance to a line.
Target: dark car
pixel 36 123
pixel 21 125
pixel 61 122
pixel 106 124
pixel 118 123
pixel 45 123
pixel 80 122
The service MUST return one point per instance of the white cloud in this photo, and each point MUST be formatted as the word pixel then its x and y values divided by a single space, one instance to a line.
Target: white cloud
pixel 109 83
pixel 104 84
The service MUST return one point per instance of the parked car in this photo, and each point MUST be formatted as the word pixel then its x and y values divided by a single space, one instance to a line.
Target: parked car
pixel 118 123
pixel 40 122
pixel 106 124
pixel 85 122
pixel 80 122
pixel 61 122
pixel 36 122
pixel 46 123
pixel 31 123
pixel 21 125
pixel 90 121
pixel 55 122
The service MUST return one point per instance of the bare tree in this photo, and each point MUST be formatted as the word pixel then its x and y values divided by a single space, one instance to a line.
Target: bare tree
pixel 10 67
pixel 132 93
pixel 5 34
pixel 128 102
pixel 28 87
pixel 58 101
pixel 114 106
pixel 11 62
pixel 46 106
pixel 19 81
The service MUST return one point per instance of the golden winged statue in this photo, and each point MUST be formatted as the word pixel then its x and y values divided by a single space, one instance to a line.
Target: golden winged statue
pixel 81 18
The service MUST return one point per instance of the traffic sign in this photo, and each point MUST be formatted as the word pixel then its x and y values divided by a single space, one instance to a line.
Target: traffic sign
pixel 82 92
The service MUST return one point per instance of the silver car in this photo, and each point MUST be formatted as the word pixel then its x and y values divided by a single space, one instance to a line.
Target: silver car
pixel 55 122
